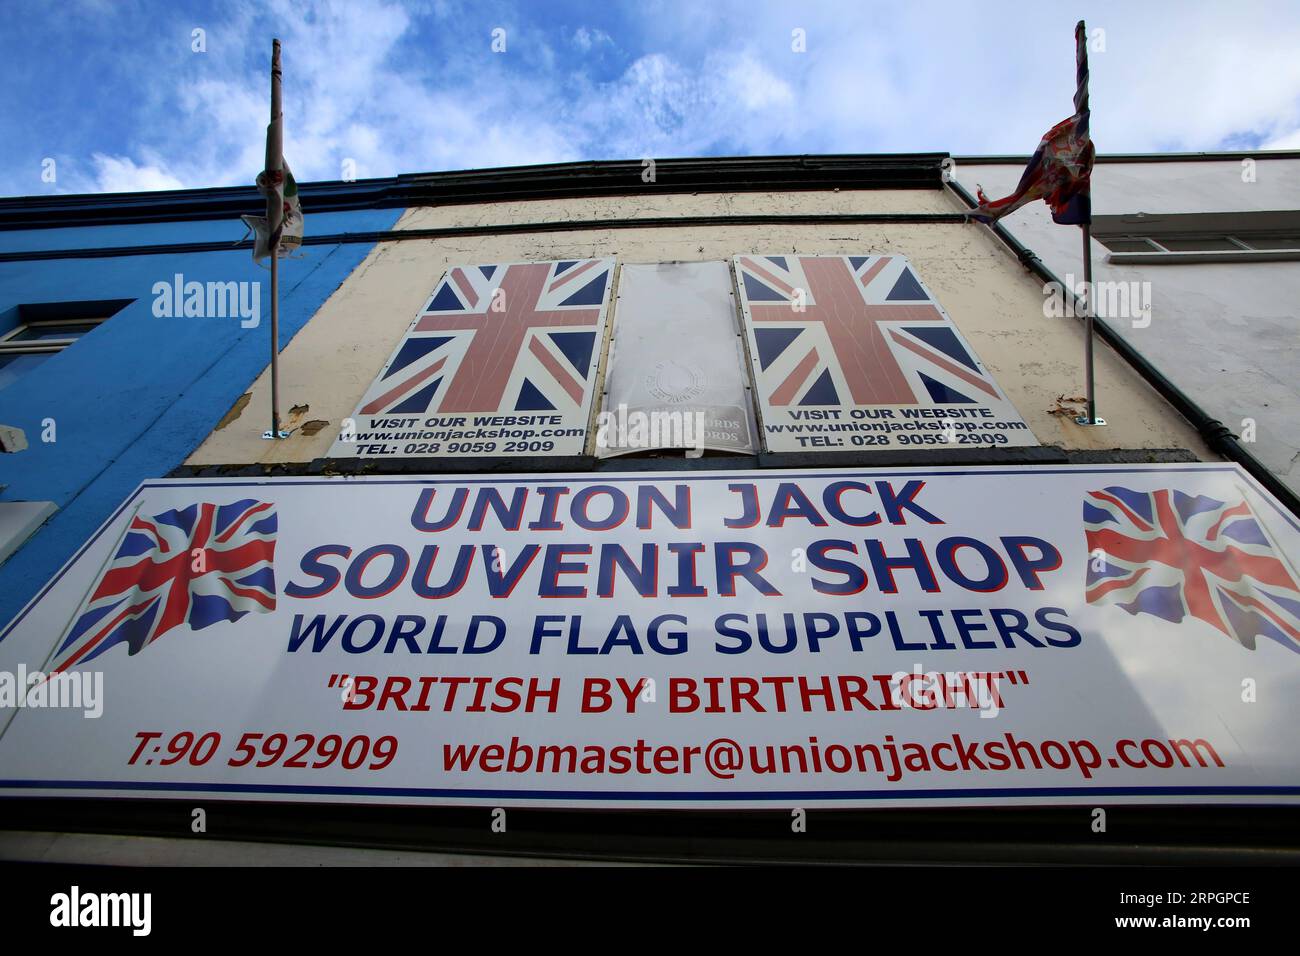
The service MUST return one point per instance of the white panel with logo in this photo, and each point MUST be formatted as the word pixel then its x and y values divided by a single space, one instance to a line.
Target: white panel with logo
pixel 676 375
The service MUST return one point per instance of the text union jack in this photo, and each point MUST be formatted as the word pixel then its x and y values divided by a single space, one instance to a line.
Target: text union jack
pixel 196 565
pixel 1171 555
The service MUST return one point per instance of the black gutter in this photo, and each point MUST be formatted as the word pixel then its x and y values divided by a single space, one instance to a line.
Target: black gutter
pixel 1227 156
pixel 1212 431
pixel 569 225
pixel 515 183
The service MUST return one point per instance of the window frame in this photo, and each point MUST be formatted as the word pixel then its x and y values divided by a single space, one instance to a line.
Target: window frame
pixel 88 315
pixel 9 341
pixel 1240 242
pixel 1163 256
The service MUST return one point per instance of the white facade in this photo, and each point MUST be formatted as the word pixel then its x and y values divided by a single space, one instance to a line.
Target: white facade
pixel 1223 326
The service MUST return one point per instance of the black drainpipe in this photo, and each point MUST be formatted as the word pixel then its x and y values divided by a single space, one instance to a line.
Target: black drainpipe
pixel 1215 434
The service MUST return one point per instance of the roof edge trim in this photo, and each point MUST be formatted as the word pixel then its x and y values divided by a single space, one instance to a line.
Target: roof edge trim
pixel 515 183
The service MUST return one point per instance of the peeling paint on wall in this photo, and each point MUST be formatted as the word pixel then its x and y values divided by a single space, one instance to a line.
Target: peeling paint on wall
pixel 235 411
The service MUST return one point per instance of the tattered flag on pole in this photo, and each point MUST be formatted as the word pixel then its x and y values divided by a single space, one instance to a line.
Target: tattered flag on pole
pixel 281 228
pixel 1060 171
pixel 284 194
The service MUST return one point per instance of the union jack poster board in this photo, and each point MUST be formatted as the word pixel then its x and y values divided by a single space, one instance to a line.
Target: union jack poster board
pixel 994 636
pixel 500 362
pixel 854 353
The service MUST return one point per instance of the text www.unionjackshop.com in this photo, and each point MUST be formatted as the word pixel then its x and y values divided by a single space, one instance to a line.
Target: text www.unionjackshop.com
pixel 724 758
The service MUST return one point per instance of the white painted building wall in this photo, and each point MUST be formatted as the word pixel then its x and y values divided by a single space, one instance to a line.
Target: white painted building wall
pixel 1228 334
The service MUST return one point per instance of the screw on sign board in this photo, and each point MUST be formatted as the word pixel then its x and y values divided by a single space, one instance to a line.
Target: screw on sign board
pixel 841 638
pixel 501 361
pixel 854 353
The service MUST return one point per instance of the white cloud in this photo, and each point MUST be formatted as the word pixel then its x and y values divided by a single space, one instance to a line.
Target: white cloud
pixel 1289 141
pixel 585 38
pixel 659 107
pixel 365 80
pixel 120 174
pixel 753 85
pixel 986 79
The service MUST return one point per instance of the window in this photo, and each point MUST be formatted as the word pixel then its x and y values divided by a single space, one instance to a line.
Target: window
pixel 1272 242
pixel 1204 243
pixel 24 348
pixel 19 521
pixel 45 329
pixel 1152 238
pixel 1199 243
pixel 1128 244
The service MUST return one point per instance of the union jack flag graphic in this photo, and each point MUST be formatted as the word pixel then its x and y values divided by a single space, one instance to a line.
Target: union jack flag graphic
pixel 1174 555
pixel 500 338
pixel 196 565
pixel 854 330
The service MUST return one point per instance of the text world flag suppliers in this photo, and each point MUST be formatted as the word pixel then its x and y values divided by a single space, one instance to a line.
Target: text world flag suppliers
pixel 855 353
pixel 843 638
pixel 500 362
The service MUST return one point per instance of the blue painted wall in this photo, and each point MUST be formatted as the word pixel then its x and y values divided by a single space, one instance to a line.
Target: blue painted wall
pixel 133 398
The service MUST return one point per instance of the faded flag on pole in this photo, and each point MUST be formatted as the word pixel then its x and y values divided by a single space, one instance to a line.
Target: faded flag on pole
pixel 1060 171
pixel 285 192
pixel 281 228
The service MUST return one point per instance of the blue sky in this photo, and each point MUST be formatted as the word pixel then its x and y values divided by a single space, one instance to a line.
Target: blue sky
pixel 115 94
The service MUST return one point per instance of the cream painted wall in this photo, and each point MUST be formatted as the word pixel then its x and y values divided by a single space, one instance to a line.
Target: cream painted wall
pixel 683 204
pixel 994 301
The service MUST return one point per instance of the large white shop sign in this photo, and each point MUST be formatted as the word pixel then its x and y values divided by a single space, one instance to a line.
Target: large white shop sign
pixel 842 638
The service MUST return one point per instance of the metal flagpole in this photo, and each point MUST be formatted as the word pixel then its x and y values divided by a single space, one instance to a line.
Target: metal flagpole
pixel 1082 131
pixel 275 345
pixel 1091 417
pixel 274 226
